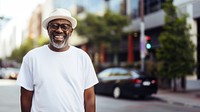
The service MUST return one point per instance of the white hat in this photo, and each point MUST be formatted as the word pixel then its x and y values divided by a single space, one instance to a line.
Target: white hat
pixel 60 14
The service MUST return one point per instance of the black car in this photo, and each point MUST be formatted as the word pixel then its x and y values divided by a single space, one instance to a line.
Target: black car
pixel 125 82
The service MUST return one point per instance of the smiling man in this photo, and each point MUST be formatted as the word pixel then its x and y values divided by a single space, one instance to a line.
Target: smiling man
pixel 57 77
pixel 59 31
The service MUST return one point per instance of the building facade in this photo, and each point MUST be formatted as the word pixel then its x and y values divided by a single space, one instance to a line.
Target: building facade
pixel 154 20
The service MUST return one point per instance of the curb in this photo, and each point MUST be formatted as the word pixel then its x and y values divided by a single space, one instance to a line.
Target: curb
pixel 178 103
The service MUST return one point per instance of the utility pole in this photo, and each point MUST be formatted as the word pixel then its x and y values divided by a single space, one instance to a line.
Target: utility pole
pixel 142 36
pixel 107 4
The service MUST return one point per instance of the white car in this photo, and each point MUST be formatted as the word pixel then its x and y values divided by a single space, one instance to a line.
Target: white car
pixel 9 73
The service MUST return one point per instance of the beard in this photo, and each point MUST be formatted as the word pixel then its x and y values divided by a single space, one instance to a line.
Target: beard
pixel 59 42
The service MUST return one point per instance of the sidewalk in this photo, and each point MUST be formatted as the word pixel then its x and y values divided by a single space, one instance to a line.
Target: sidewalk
pixel 188 98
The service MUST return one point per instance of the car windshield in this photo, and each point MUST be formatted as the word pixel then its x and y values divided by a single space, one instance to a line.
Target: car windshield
pixel 120 72
pixel 105 73
pixel 135 73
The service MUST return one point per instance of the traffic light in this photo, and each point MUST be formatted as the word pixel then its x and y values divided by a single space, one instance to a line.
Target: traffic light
pixel 148 43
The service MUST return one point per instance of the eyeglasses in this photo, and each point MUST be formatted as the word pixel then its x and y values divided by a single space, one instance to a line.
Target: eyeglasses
pixel 55 26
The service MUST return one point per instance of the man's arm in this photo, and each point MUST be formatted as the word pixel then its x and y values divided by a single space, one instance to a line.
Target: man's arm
pixel 26 100
pixel 89 100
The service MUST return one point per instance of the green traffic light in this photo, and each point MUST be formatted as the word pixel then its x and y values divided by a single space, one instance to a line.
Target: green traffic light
pixel 148 46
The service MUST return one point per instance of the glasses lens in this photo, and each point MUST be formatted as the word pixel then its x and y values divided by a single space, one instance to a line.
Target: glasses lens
pixel 64 27
pixel 54 26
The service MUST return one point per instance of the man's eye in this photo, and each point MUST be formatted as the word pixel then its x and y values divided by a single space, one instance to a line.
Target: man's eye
pixel 65 27
pixel 54 26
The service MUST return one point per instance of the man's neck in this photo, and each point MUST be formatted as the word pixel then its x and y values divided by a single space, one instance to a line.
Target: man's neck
pixel 58 50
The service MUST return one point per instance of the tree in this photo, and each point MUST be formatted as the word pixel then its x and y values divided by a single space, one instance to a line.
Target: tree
pixel 115 23
pixel 105 29
pixel 18 53
pixel 176 52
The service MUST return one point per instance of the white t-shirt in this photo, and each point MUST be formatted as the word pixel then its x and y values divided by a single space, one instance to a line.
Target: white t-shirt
pixel 58 79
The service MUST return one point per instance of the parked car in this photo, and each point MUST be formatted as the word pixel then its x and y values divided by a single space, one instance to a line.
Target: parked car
pixel 125 82
pixel 9 73
pixel 1 73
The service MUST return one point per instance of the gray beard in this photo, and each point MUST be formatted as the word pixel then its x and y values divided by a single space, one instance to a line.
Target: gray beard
pixel 59 46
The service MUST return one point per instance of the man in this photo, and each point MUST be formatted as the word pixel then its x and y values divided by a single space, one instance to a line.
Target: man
pixel 57 77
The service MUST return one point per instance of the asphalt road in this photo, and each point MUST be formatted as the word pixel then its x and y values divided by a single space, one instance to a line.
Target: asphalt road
pixel 151 104
pixel 9 102
pixel 9 96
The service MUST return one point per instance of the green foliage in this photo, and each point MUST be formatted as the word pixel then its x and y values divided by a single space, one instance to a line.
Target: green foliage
pixel 106 28
pixel 176 52
pixel 42 41
pixel 115 23
pixel 18 54
pixel 93 28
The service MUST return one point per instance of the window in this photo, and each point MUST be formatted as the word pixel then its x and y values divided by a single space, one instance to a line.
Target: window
pixel 120 72
pixel 134 74
pixel 105 73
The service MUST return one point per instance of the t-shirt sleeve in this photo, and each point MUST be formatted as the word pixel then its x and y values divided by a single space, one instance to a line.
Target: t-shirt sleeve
pixel 90 74
pixel 25 77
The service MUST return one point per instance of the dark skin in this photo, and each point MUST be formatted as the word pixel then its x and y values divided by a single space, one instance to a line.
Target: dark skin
pixel 89 100
pixel 59 32
pixel 89 95
pixel 26 100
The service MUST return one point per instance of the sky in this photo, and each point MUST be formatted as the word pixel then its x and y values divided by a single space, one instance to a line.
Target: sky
pixel 99 5
pixel 18 8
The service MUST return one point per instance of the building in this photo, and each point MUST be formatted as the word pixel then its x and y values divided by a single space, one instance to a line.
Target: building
pixel 154 20
pixel 8 41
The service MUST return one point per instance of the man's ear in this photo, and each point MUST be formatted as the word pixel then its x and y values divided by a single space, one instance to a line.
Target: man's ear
pixel 71 31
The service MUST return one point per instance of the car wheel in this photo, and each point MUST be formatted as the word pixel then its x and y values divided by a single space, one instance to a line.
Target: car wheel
pixel 116 92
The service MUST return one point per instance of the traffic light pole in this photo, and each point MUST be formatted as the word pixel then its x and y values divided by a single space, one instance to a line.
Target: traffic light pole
pixel 142 36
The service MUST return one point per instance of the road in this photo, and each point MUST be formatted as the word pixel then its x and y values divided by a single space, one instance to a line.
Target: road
pixel 9 102
pixel 151 104
pixel 9 96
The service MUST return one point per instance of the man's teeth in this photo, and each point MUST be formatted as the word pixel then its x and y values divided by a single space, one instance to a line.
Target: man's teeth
pixel 59 38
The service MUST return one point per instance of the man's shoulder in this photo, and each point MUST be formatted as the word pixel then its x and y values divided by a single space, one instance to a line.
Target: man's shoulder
pixel 37 50
pixel 76 49
pixel 80 52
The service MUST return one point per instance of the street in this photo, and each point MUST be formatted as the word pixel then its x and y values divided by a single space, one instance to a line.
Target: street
pixel 9 96
pixel 109 104
pixel 9 102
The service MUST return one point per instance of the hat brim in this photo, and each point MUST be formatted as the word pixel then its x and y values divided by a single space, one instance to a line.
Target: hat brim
pixel 71 19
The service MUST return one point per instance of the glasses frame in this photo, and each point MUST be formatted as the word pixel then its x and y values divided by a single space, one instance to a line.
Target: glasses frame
pixel 56 26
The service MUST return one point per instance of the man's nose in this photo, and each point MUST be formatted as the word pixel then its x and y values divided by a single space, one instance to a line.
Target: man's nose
pixel 59 29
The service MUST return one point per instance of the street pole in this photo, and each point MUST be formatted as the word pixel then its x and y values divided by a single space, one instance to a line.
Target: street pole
pixel 142 36
pixel 107 4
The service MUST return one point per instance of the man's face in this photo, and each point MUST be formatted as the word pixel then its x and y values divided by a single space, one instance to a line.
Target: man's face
pixel 59 30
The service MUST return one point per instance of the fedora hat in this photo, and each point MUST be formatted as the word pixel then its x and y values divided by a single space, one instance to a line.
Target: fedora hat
pixel 59 14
